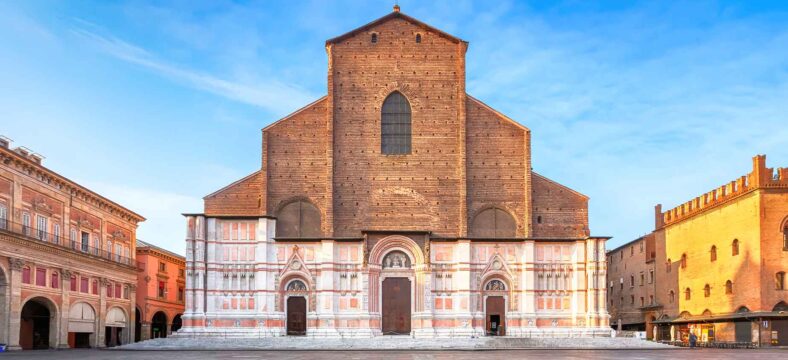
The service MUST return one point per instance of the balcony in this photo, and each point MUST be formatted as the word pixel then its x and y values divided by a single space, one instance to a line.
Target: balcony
pixel 33 234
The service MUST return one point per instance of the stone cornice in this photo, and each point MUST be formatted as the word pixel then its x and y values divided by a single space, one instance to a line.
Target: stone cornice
pixel 63 252
pixel 150 251
pixel 38 172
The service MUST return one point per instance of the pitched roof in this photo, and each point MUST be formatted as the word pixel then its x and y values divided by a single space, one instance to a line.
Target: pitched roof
pixel 533 173
pixel 247 177
pixel 396 14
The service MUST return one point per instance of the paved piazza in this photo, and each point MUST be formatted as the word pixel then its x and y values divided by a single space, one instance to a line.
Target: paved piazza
pixel 696 354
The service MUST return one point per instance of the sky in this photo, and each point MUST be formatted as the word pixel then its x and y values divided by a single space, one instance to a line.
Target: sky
pixel 157 104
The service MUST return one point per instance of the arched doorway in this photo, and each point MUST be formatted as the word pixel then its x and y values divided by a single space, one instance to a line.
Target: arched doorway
pixel 137 325
pixel 37 329
pixel 296 292
pixel 495 308
pixel 158 325
pixel 176 323
pixel 81 325
pixel 396 296
pixel 115 325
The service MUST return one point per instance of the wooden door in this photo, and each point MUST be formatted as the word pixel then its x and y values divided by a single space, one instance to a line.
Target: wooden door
pixel 296 315
pixel 496 315
pixel 396 306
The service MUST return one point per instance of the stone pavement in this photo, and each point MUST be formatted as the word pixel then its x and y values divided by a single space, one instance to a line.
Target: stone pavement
pixel 541 354
pixel 390 343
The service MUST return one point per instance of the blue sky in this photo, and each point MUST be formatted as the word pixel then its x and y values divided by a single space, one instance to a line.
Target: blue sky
pixel 156 104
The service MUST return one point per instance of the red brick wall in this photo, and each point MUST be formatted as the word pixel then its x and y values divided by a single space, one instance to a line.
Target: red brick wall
pixel 329 151
pixel 563 212
pixel 420 191
pixel 240 198
pixel 296 159
pixel 497 163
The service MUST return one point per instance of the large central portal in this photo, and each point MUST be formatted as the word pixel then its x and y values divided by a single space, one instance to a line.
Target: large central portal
pixel 396 306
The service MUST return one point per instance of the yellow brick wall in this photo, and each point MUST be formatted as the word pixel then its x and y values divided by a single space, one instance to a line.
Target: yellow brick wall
pixel 738 219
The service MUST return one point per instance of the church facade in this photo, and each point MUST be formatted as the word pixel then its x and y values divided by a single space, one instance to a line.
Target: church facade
pixel 395 204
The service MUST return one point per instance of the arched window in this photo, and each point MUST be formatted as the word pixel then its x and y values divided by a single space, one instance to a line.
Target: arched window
pixel 687 294
pixel 683 261
pixel 495 285
pixel 374 38
pixel 707 291
pixel 298 219
pixel 713 253
pixel 735 247
pixel 396 260
pixel 493 223
pixel 395 125
pixel 671 296
pixel 779 280
pixel 418 38
pixel 785 236
pixel 668 265
pixel 728 287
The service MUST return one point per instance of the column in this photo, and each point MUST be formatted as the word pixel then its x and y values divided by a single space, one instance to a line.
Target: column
pixel 101 313
pixel 65 286
pixel 132 322
pixel 15 302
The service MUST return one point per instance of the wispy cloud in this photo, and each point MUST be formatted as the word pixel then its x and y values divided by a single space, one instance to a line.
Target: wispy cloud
pixel 164 225
pixel 271 95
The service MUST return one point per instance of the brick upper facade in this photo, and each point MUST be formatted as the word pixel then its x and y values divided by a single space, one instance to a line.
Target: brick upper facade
pixel 465 156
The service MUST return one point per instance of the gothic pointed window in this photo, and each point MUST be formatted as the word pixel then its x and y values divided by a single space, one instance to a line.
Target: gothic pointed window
pixel 395 132
pixel 728 287
pixel 735 247
pixel 713 253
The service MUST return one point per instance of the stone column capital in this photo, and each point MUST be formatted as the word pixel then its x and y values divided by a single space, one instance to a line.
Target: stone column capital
pixel 16 263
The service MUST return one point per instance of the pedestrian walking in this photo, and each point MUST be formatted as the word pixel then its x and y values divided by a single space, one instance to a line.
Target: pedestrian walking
pixel 693 340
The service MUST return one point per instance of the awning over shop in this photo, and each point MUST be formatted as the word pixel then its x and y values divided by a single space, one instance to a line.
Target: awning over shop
pixel 724 317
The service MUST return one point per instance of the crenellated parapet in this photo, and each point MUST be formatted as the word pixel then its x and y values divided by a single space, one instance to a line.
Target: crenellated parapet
pixel 760 177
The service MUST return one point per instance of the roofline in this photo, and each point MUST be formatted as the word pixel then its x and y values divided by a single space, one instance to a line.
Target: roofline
pixel 392 15
pixel 563 186
pixel 294 113
pixel 139 217
pixel 488 107
pixel 154 247
pixel 627 244
pixel 232 184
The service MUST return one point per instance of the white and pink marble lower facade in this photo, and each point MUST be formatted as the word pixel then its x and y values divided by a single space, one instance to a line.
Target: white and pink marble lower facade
pixel 238 277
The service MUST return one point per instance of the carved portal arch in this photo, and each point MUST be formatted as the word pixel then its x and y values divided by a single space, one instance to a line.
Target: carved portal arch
pixel 396 242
